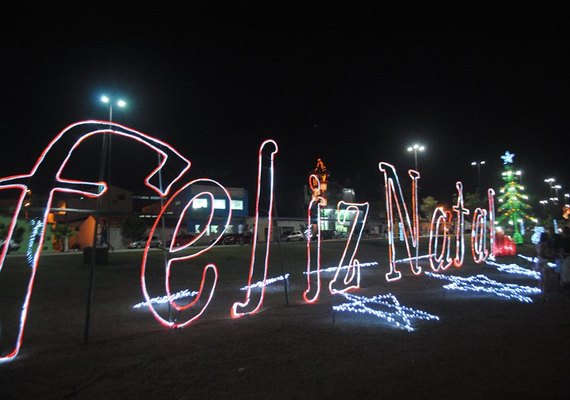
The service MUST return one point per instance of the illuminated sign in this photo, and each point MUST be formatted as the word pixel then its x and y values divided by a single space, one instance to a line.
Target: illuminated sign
pixel 190 304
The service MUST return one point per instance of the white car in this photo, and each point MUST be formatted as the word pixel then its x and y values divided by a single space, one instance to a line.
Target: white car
pixel 293 236
pixel 139 244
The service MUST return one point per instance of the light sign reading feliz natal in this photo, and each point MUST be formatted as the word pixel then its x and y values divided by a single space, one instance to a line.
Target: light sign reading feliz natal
pixel 50 167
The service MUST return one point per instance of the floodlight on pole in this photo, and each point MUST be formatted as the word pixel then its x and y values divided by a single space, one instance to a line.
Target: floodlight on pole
pixel 415 148
pixel 107 100
pixel 478 165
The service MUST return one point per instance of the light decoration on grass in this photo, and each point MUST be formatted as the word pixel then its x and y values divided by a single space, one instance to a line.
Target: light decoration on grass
pixel 483 284
pixel 210 273
pixel 393 312
pixel 514 269
pixel 313 210
pixel 167 299
pixel 36 229
pixel 533 259
pixel 351 280
pixel 410 228
pixel 51 167
pixel 264 202
pixel 333 269
pixel 267 282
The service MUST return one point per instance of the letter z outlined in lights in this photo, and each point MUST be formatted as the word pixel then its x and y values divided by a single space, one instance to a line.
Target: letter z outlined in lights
pixel 49 169
pixel 352 279
pixel 263 203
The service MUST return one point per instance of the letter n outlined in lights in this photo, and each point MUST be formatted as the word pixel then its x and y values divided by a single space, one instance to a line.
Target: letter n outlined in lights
pixel 352 279
pixel 411 232
pixel 209 273
pixel 263 204
pixel 314 211
pixel 46 178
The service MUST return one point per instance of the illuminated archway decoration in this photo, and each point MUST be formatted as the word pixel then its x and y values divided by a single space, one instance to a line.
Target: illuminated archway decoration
pixel 411 228
pixel 314 211
pixel 263 203
pixel 209 273
pixel 50 167
pixel 483 284
pixel 394 313
pixel 351 280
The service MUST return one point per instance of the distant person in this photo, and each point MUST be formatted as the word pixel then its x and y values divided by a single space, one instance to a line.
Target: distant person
pixel 544 254
pixel 555 245
pixel 565 254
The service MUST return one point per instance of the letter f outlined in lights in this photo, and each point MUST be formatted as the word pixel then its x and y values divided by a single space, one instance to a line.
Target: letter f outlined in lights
pixel 45 179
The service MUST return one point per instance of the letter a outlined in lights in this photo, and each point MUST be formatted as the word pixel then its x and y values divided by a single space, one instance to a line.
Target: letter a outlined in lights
pixel 313 210
pixel 209 273
pixel 47 178
pixel 394 194
pixel 263 203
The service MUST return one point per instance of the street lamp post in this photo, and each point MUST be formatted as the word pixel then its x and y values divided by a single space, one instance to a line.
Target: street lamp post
pixel 105 155
pixel 478 165
pixel 550 182
pixel 415 148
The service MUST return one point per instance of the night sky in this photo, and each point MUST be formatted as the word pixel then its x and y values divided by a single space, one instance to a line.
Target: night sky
pixel 353 84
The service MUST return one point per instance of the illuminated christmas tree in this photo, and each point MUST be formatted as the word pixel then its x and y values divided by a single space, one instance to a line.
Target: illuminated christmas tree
pixel 512 200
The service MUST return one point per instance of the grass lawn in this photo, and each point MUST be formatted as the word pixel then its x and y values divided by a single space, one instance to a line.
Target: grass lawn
pixel 482 345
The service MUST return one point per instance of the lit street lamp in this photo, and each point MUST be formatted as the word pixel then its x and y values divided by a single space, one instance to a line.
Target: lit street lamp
pixel 478 165
pixel 415 148
pixel 550 182
pixel 121 103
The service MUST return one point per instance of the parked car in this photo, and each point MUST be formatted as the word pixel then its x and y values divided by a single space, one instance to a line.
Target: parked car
pixel 13 245
pixel 180 240
pixel 293 236
pixel 140 243
pixel 234 238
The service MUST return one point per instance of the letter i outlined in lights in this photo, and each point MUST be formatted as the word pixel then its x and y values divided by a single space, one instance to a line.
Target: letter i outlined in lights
pixel 263 203
pixel 51 167
pixel 209 273
pixel 314 211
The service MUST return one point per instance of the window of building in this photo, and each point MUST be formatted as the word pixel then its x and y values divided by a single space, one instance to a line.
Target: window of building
pixel 219 204
pixel 237 204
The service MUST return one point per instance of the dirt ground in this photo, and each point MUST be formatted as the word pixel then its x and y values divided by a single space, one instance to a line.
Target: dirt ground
pixel 482 346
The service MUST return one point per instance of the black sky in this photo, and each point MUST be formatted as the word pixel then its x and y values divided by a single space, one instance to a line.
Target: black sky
pixel 353 84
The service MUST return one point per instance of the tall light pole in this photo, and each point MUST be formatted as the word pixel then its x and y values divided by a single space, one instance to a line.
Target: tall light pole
pixel 415 148
pixel 550 182
pixel 478 165
pixel 105 155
